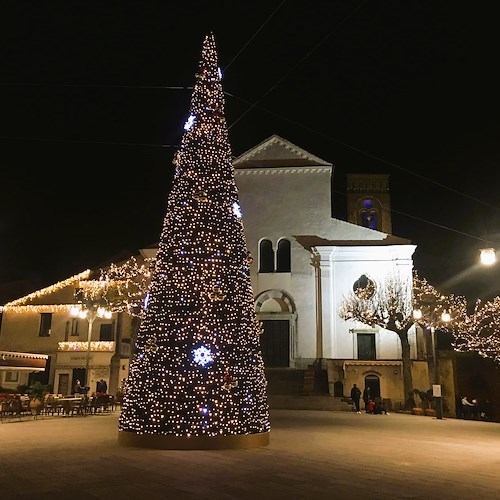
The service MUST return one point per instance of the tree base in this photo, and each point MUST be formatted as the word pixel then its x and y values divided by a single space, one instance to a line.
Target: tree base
pixel 167 442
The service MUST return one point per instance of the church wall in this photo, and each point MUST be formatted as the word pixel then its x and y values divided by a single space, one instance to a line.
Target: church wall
pixel 341 267
pixel 282 204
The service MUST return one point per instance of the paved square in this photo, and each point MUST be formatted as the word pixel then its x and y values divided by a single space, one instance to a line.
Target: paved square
pixel 311 455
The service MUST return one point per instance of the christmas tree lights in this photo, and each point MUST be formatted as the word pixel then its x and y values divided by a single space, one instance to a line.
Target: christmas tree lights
pixel 197 377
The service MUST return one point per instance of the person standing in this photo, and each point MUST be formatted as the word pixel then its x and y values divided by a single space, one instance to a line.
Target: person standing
pixel 366 398
pixel 355 396
pixel 467 408
pixel 78 387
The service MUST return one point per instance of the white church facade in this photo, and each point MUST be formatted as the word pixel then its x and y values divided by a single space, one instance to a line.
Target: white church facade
pixel 305 262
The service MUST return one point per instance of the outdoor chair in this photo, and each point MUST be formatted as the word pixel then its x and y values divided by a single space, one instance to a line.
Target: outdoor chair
pixel 78 407
pixel 53 405
pixel 89 404
pixel 11 408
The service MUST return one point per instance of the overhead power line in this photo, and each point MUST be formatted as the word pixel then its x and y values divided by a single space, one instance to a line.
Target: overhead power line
pixel 80 141
pixel 254 35
pixel 95 86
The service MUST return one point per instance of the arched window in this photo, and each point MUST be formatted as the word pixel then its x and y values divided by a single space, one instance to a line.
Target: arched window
pixel 284 257
pixel 369 219
pixel 266 257
pixel 368 215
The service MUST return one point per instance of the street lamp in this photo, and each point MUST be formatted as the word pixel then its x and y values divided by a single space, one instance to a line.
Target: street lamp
pixel 487 256
pixel 445 317
pixel 92 311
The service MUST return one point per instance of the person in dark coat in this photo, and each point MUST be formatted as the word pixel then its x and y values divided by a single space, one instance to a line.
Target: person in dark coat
pixel 356 396
pixel 102 386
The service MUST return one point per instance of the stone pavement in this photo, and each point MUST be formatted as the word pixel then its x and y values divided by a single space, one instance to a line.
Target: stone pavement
pixel 312 455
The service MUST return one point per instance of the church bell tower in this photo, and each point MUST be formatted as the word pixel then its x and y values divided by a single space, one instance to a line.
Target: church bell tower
pixel 369 201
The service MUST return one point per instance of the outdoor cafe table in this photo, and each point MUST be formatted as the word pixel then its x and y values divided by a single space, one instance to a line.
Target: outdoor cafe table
pixel 66 404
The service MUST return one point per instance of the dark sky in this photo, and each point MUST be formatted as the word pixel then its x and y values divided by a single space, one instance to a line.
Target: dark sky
pixel 89 124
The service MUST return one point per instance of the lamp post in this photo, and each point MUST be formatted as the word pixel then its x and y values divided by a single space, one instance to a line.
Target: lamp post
pixel 436 387
pixel 92 311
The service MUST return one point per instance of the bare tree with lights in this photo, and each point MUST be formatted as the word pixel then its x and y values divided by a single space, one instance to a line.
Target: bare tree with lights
pixel 124 285
pixel 391 305
pixel 197 378
pixel 480 331
pixel 124 290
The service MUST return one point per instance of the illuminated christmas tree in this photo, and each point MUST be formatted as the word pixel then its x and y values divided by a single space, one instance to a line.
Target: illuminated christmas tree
pixel 197 378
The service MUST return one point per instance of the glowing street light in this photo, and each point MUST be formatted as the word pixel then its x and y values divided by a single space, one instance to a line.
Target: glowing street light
pixel 487 256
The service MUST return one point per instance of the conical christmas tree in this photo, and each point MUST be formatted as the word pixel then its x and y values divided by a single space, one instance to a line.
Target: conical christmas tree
pixel 197 378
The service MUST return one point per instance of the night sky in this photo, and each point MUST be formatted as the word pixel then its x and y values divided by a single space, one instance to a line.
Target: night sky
pixel 94 96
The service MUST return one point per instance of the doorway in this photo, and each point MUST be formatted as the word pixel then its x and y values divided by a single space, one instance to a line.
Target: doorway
pixel 63 384
pixel 373 382
pixel 275 343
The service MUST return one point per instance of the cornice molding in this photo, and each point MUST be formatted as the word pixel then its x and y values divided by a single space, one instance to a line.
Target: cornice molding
pixel 283 170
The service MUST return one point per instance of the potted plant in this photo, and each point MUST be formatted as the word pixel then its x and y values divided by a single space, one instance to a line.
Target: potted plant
pixel 426 403
pixel 36 393
pixel 412 404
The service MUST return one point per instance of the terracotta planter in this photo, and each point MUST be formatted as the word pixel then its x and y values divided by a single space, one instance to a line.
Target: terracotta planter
pixel 429 412
pixel 36 406
pixel 417 411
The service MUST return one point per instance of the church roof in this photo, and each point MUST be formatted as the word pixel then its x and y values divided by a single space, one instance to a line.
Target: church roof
pixel 277 152
pixel 309 241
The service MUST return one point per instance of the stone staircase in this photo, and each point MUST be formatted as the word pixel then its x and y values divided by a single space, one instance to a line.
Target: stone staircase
pixel 293 389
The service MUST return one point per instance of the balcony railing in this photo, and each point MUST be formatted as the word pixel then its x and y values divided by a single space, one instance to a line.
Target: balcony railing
pixel 101 346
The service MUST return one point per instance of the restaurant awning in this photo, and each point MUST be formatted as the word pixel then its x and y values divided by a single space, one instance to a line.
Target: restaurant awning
pixel 19 361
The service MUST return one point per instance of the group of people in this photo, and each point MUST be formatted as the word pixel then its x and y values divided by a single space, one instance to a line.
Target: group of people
pixel 470 410
pixel 102 387
pixel 372 405
pixel 473 409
